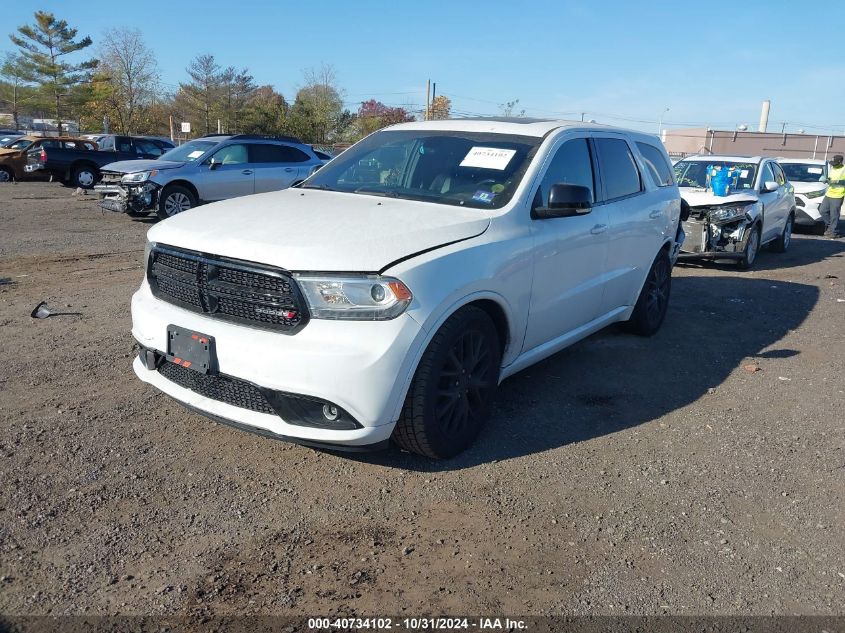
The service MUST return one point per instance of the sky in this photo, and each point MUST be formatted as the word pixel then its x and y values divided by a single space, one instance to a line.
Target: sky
pixel 621 63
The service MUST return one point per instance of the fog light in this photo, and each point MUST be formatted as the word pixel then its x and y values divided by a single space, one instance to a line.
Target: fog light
pixel 330 412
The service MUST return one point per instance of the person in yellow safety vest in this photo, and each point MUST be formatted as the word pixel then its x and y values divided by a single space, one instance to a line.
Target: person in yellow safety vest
pixel 831 206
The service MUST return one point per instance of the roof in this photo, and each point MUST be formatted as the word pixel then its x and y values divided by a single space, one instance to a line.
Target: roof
pixel 519 126
pixel 725 157
pixel 803 161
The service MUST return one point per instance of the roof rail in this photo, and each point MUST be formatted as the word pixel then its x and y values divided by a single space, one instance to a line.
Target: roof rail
pixel 257 137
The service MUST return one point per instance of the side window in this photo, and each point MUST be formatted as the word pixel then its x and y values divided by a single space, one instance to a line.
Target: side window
pixel 780 178
pixel 231 155
pixel 768 175
pixel 123 144
pixel 571 165
pixel 107 143
pixel 267 153
pixel 144 146
pixel 656 164
pixel 618 168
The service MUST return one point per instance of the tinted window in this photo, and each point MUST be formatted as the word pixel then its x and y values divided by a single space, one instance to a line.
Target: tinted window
pixel 618 168
pixel 803 172
pixel 779 177
pixel 107 143
pixel 570 166
pixel 656 164
pixel 144 146
pixel 266 153
pixel 231 155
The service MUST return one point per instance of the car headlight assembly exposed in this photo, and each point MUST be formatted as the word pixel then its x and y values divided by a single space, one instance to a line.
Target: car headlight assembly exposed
pixel 357 298
pixel 726 214
pixel 138 177
pixel 815 194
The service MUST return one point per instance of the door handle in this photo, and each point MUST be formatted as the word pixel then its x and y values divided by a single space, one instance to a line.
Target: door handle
pixel 657 213
pixel 246 172
pixel 598 228
pixel 288 169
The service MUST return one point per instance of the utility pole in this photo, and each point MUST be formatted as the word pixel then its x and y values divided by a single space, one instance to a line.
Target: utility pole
pixel 582 116
pixel 433 92
pixel 427 101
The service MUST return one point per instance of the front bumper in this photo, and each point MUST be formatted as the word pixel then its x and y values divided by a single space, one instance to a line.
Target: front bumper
pixel 705 240
pixel 361 366
pixel 807 211
pixel 125 199
pixel 33 167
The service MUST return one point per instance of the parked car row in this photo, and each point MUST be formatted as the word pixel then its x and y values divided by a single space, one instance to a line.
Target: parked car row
pixel 213 167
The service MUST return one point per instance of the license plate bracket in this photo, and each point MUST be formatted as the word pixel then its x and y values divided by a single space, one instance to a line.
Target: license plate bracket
pixel 191 350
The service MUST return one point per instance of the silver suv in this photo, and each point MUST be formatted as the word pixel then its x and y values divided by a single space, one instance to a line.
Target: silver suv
pixel 212 167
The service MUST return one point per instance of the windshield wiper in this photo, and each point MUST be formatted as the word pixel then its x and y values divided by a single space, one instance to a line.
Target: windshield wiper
pixel 378 192
pixel 320 187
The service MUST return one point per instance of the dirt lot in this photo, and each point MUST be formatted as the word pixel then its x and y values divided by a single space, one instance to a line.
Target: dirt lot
pixel 621 476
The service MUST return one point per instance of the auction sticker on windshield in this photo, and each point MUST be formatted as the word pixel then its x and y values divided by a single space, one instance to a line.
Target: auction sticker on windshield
pixel 814 170
pixel 196 153
pixel 488 158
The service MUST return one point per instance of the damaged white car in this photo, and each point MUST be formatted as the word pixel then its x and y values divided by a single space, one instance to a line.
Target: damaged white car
pixel 736 205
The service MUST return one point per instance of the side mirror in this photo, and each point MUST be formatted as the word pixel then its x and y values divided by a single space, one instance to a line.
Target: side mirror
pixel 565 201
pixel 769 186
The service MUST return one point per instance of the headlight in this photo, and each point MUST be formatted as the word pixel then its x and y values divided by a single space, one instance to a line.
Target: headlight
pixel 815 194
pixel 725 214
pixel 359 298
pixel 140 176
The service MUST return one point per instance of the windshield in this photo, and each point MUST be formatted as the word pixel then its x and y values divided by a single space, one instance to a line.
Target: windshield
pixel 803 172
pixel 697 173
pixel 479 170
pixel 189 151
pixel 19 144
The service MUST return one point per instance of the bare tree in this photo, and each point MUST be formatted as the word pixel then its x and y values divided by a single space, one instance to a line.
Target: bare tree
pixel 43 46
pixel 15 81
pixel 132 71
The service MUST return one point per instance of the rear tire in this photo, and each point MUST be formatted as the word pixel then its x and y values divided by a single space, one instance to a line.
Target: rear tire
pixel 85 177
pixel 449 399
pixel 6 175
pixel 174 200
pixel 653 302
pixel 781 244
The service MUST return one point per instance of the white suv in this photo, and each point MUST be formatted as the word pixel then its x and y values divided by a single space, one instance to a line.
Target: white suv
pixel 390 293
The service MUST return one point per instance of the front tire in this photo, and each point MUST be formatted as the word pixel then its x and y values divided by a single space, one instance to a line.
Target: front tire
pixel 6 175
pixel 452 390
pixel 781 244
pixel 653 302
pixel 752 248
pixel 175 200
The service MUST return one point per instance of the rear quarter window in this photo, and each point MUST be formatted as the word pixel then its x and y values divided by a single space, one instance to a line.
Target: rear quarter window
pixel 656 164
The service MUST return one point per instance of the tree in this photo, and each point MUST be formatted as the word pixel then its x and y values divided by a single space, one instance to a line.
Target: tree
pixel 374 115
pixel 318 106
pixel 509 109
pixel 14 84
pixel 237 87
pixel 265 112
pixel 131 69
pixel 441 106
pixel 44 46
pixel 203 91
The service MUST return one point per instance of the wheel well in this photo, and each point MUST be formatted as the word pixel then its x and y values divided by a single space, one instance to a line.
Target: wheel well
pixel 82 163
pixel 183 183
pixel 497 315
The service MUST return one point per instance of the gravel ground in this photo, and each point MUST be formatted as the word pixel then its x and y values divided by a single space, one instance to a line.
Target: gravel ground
pixel 623 475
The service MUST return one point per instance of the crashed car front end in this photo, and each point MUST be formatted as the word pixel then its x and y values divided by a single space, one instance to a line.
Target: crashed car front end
pixel 719 231
pixel 128 193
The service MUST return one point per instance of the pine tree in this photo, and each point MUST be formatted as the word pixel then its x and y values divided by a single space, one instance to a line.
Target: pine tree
pixel 44 46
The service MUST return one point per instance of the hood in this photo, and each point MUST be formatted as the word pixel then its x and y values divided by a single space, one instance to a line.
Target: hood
pixel 132 166
pixel 807 187
pixel 5 151
pixel 312 230
pixel 705 198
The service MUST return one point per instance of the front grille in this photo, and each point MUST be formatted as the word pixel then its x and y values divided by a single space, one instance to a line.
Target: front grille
pixel 227 289
pixel 110 178
pixel 222 388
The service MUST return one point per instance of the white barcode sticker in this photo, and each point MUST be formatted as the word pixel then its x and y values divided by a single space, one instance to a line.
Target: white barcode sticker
pixel 488 158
